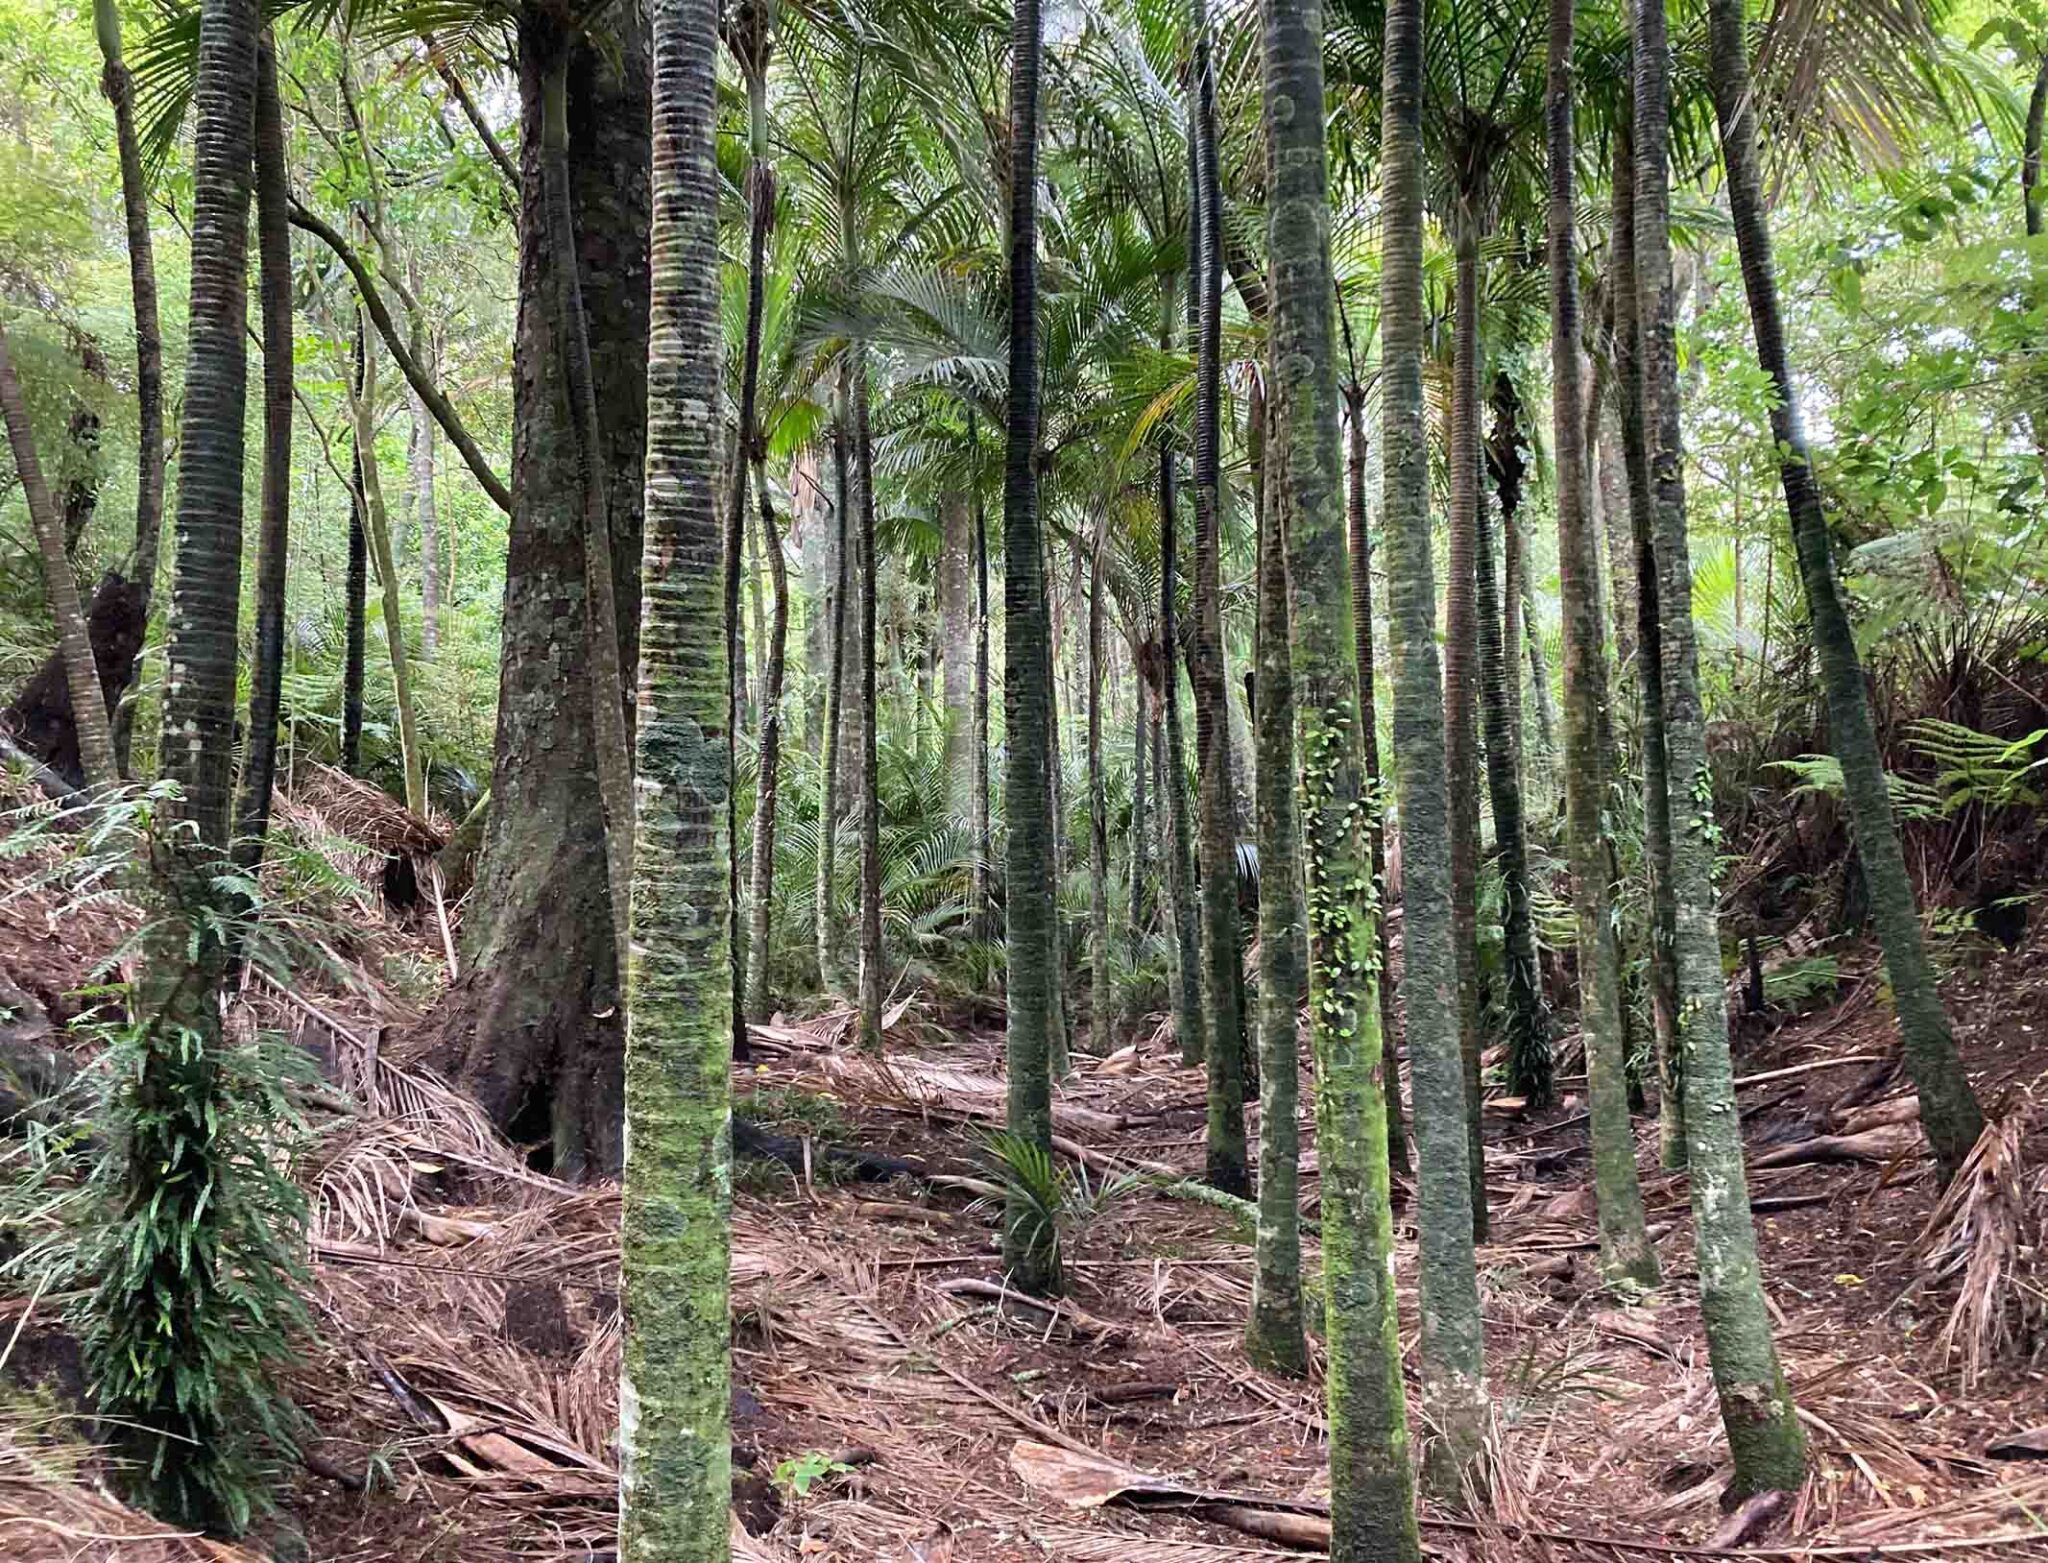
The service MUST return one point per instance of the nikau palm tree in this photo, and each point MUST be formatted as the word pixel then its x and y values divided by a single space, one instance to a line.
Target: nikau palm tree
pixel 674 1391
pixel 1372 1493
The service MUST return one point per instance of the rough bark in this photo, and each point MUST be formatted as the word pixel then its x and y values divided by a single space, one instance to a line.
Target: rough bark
pixel 1764 1434
pixel 1453 1369
pixel 274 260
pixel 1221 961
pixel 1027 677
pixel 1626 1256
pixel 1948 1107
pixel 88 707
pixel 675 1376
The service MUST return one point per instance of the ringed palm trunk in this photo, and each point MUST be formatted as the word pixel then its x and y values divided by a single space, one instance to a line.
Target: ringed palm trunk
pixel 827 890
pixel 1188 1022
pixel 274 259
pixel 1461 723
pixel 1221 961
pixel 1273 1335
pixel 81 674
pixel 1948 1107
pixel 1528 1018
pixel 870 977
pixel 978 826
pixel 1764 1435
pixel 768 764
pixel 1100 1005
pixel 1360 560
pixel 1453 1369
pixel 676 1217
pixel 119 88
pixel 1625 1252
pixel 1632 416
pixel 1027 683
pixel 1372 1512
pixel 1141 809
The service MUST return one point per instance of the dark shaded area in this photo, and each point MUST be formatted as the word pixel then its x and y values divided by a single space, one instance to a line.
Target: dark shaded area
pixel 39 718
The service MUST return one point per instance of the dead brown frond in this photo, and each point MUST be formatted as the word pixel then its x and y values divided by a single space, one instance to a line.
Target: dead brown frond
pixel 1986 1234
pixel 364 813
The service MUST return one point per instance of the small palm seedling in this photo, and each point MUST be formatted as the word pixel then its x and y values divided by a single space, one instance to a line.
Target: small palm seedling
pixel 1048 1200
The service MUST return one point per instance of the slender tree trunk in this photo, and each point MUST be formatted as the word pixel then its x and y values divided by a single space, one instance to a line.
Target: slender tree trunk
pixel 827 896
pixel 1504 454
pixel 1453 1366
pixel 1100 1003
pixel 768 762
pixel 1055 783
pixel 1140 910
pixel 1625 1252
pixel 377 532
pixel 1372 1510
pixel 676 1218
pixel 954 589
pixel 1461 717
pixel 1539 680
pixel 1188 1021
pixel 978 825
pixel 1221 969
pixel 1528 1018
pixel 1027 681
pixel 1948 1107
pixel 1629 389
pixel 81 674
pixel 1764 1435
pixel 149 342
pixel 274 258
pixel 1273 1335
pixel 355 597
pixel 870 981
pixel 2030 154
pixel 1607 459
pixel 427 511
pixel 1360 560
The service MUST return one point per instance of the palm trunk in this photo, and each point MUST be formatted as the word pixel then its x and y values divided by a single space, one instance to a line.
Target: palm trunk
pixel 954 590
pixel 1027 683
pixel 827 893
pixel 1539 679
pixel 1140 909
pixel 675 1224
pixel 1453 1367
pixel 1506 466
pixel 978 825
pixel 149 342
pixel 768 761
pixel 1528 1019
pixel 1188 1022
pixel 1360 560
pixel 1461 726
pixel 870 978
pixel 1629 395
pixel 81 674
pixel 1221 961
pixel 1100 1006
pixel 1948 1107
pixel 355 596
pixel 1764 1435
pixel 1625 1252
pixel 427 512
pixel 274 258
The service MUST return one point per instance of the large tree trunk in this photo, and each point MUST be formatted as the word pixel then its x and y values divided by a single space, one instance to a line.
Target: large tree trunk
pixel 675 1225
pixel 1625 1252
pixel 1461 689
pixel 1453 1365
pixel 1528 1019
pixel 88 707
pixel 1948 1107
pixel 149 343
pixel 1360 560
pixel 274 257
pixel 1027 686
pixel 533 1029
pixel 1764 1435
pixel 1221 959
pixel 1186 976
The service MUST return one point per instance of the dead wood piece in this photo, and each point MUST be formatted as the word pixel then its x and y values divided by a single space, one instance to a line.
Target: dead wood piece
pixel 1792 1071
pixel 1905 1110
pixel 2032 1444
pixel 1748 1522
pixel 1077 1319
pixel 1875 1145
pixel 1294 1530
pixel 1127 1394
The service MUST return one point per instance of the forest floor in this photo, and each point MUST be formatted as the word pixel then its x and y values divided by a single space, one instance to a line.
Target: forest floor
pixel 462 1373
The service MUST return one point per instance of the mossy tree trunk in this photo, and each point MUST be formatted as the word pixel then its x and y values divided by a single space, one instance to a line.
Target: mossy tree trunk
pixel 1453 1367
pixel 1948 1107
pixel 1764 1435
pixel 675 1226
pixel 1625 1253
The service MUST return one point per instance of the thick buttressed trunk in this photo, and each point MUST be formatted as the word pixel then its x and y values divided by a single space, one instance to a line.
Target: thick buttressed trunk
pixel 1528 1019
pixel 1765 1438
pixel 1359 549
pixel 1625 1252
pixel 1221 961
pixel 274 257
pixel 1453 1358
pixel 957 612
pixel 1461 691
pixel 1632 415
pixel 1948 1107
pixel 533 1028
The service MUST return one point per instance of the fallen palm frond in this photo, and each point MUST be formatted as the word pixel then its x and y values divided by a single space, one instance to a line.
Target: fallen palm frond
pixel 1105 1546
pixel 1987 1233
pixel 365 813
